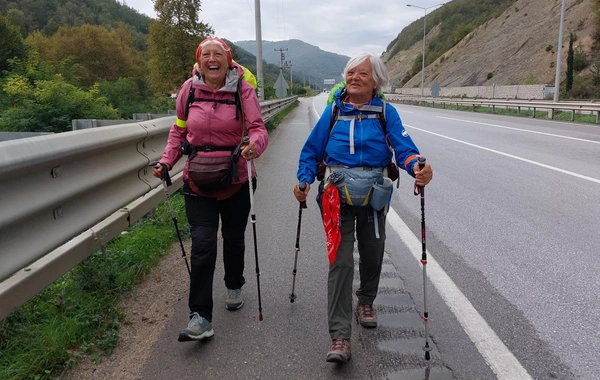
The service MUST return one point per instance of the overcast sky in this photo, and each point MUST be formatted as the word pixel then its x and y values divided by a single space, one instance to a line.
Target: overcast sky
pixel 345 27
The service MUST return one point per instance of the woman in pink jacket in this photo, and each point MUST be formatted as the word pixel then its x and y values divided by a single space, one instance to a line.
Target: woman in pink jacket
pixel 216 109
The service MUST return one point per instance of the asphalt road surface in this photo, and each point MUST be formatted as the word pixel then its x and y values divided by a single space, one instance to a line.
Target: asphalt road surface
pixel 513 222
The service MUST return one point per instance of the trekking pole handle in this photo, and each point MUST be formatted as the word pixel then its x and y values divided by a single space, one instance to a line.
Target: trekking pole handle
pixel 164 173
pixel 419 189
pixel 302 187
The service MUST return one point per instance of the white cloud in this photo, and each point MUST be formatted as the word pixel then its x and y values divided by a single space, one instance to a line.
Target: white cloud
pixel 344 27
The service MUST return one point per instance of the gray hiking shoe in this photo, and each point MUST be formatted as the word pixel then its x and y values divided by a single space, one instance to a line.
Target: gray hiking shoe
pixel 234 299
pixel 198 328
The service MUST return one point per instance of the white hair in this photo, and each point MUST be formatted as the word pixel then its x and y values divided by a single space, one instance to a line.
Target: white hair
pixel 380 73
pixel 214 43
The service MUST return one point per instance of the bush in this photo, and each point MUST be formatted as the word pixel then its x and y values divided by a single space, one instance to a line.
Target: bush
pixel 579 59
pixel 549 48
pixel 490 75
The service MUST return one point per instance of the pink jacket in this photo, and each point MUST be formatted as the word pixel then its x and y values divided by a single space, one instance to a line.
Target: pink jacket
pixel 211 123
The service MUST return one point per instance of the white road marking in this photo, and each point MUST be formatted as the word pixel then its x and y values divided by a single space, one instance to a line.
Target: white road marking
pixel 520 130
pixel 496 354
pixel 591 179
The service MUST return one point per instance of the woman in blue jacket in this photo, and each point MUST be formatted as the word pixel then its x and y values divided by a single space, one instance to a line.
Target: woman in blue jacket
pixel 356 140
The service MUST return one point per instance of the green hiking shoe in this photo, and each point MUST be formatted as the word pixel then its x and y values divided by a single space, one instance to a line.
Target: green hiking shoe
pixel 197 329
pixel 234 299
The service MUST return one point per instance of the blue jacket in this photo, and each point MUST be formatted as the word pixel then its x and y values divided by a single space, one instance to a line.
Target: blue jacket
pixel 370 148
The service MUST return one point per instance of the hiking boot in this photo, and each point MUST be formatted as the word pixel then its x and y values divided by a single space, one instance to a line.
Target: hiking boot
pixel 365 315
pixel 339 352
pixel 198 328
pixel 234 299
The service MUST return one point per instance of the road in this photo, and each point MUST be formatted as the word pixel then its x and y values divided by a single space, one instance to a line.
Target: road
pixel 513 216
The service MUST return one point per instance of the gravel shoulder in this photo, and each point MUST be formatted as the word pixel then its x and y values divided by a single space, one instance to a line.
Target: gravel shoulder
pixel 146 309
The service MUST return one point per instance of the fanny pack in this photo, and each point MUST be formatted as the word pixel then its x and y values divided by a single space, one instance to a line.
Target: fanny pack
pixel 363 187
pixel 212 172
pixel 355 185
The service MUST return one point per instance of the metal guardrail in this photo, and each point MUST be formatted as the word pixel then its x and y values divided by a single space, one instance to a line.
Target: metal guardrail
pixel 518 104
pixel 64 196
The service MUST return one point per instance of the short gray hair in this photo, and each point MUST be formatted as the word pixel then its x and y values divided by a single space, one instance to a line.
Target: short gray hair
pixel 380 72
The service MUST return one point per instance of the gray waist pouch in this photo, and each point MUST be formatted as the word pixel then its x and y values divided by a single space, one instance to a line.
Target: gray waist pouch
pixel 381 193
pixel 356 186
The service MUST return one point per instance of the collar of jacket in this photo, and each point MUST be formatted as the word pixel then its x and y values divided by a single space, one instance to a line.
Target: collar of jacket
pixel 346 108
pixel 231 79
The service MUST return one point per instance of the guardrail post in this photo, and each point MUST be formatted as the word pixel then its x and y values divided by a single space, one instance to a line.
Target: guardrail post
pixel 551 113
pixel 572 115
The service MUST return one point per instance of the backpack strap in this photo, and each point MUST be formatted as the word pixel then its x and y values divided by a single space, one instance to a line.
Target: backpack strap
pixel 236 100
pixel 380 114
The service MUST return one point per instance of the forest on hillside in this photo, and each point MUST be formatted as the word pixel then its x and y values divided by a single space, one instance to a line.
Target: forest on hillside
pixel 97 59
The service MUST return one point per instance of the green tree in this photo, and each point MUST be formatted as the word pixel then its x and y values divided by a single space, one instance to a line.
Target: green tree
pixel 580 60
pixel 128 95
pixel 417 64
pixel 595 70
pixel 174 37
pixel 12 45
pixel 98 52
pixel 35 99
pixel 50 105
pixel 570 59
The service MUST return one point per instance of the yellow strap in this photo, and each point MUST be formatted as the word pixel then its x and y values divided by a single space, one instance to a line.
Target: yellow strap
pixel 180 123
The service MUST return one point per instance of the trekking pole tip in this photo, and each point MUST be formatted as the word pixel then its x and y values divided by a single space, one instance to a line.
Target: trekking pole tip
pixel 292 297
pixel 260 317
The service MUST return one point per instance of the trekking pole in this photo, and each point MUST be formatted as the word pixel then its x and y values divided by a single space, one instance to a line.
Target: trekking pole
pixel 302 205
pixel 253 220
pixel 166 181
pixel 421 190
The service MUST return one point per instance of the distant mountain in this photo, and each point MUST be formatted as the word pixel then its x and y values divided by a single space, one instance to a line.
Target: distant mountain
pixel 307 60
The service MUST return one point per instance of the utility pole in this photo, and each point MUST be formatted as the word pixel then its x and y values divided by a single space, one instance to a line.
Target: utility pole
pixel 281 60
pixel 259 56
pixel 424 38
pixel 289 65
pixel 559 52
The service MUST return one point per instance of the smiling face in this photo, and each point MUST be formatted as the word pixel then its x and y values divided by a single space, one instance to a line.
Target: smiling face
pixel 360 83
pixel 213 64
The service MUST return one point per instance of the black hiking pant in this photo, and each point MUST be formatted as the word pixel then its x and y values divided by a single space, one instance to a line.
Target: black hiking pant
pixel 203 216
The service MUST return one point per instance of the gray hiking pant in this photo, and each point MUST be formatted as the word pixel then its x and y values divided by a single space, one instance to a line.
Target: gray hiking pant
pixel 341 272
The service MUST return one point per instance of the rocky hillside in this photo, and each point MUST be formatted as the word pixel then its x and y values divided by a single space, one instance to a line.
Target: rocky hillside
pixel 519 47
